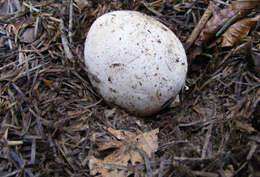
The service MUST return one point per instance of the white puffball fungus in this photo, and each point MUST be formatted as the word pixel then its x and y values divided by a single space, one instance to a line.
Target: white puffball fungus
pixel 134 61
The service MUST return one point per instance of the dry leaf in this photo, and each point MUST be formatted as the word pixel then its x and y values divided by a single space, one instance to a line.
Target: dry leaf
pixel 245 6
pixel 20 24
pixel 214 24
pixel 238 8
pixel 120 134
pixel 115 163
pixel 82 3
pixel 28 36
pixel 238 31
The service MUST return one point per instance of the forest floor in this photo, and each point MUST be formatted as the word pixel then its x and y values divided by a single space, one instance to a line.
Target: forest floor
pixel 53 123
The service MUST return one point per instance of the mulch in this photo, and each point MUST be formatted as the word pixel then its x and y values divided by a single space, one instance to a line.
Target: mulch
pixel 51 117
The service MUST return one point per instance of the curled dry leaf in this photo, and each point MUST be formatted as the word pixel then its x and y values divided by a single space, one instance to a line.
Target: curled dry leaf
pixel 238 8
pixel 238 31
pixel 214 24
pixel 123 153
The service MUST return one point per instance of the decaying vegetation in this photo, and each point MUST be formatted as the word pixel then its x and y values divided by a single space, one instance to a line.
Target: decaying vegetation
pixel 53 123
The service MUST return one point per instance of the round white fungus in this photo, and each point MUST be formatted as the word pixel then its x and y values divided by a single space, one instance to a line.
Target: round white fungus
pixel 135 62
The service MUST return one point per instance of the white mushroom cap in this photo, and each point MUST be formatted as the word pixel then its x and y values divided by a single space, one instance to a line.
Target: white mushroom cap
pixel 134 61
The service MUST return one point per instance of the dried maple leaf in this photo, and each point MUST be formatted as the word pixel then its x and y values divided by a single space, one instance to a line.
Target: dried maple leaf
pixel 116 163
pixel 238 31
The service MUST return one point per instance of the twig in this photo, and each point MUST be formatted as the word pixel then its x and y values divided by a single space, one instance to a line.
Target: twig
pixel 146 161
pixel 36 27
pixel 231 52
pixel 17 159
pixel 206 143
pixel 161 169
pixel 243 165
pixel 207 14
pixel 205 174
pixel 75 114
pixel 252 151
pixel 31 7
pixel 38 122
pixel 227 24
pixel 33 151
pixel 9 41
pixel 65 42
pixel 10 143
pixel 147 5
pixel 70 21
pixel 190 159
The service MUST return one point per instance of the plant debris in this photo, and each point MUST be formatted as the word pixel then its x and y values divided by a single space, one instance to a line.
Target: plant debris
pixel 54 123
pixel 237 32
pixel 129 148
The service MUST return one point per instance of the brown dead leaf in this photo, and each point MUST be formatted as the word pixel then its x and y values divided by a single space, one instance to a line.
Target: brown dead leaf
pixel 28 36
pixel 82 3
pixel 214 24
pixel 238 8
pixel 115 164
pixel 245 6
pixel 238 31
pixel 120 134
pixel 19 25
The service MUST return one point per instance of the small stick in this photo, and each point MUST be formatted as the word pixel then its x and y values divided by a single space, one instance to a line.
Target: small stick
pixel 252 151
pixel 227 24
pixel 196 31
pixel 71 21
pixel 147 161
pixel 206 143
pixel 207 138
pixel 190 159
pixel 65 42
pixel 205 174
